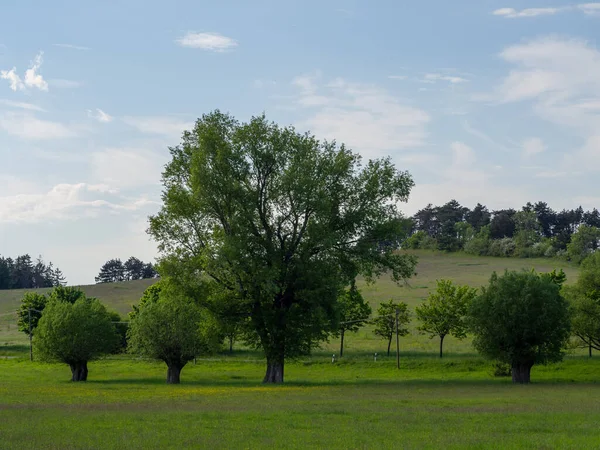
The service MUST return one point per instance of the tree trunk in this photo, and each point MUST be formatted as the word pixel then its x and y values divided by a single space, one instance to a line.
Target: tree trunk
pixel 230 344
pixel 389 345
pixel 342 345
pixel 173 374
pixel 521 372
pixel 79 371
pixel 442 344
pixel 590 350
pixel 274 371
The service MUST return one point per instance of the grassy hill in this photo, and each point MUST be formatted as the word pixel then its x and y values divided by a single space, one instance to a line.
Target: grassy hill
pixel 464 269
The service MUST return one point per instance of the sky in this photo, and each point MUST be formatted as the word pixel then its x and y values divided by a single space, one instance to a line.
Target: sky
pixel 485 101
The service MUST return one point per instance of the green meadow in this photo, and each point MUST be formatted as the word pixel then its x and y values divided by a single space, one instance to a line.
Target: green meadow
pixel 455 402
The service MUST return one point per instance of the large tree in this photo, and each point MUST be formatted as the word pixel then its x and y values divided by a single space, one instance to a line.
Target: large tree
pixel 282 221
pixel 74 334
pixel 521 319
pixel 112 271
pixel 445 311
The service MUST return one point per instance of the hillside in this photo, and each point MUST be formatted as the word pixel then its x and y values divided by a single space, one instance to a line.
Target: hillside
pixel 461 268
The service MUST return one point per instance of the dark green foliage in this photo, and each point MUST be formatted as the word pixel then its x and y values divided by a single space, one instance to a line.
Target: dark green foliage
pixel 520 319
pixel 385 322
pixel 114 270
pixel 281 222
pixel 74 334
pixel 23 273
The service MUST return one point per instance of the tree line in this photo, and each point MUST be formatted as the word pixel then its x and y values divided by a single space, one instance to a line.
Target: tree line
pixel 25 273
pixel 114 270
pixel 263 232
pixel 536 230
pixel 518 320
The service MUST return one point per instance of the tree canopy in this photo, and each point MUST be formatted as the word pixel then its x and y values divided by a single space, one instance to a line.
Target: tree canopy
pixel 25 273
pixel 281 220
pixel 385 322
pixel 174 330
pixel 521 319
pixel 445 311
pixel 74 334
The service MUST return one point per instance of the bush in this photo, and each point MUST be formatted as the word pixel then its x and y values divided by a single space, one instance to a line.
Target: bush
pixel 504 247
pixel 501 369
pixel 414 241
pixel 477 246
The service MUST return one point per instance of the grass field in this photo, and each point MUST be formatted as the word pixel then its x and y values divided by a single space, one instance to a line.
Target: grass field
pixel 353 403
pixel 427 404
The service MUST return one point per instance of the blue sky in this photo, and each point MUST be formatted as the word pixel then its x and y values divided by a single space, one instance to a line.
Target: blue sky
pixel 488 101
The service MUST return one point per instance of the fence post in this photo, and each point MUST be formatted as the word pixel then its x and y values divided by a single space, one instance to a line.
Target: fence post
pixel 397 340
pixel 30 346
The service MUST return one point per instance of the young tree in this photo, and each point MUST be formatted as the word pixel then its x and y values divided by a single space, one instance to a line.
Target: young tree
pixel 75 334
pixel 173 330
pixel 32 305
pixel 444 313
pixel 520 319
pixel 584 297
pixel 280 220
pixel 385 322
pixel 354 313
pixel 37 302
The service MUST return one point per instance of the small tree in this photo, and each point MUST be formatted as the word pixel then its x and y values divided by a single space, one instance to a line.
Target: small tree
pixel 354 312
pixel 37 302
pixel 32 305
pixel 173 330
pixel 75 334
pixel 584 242
pixel 520 319
pixel 444 312
pixel 385 322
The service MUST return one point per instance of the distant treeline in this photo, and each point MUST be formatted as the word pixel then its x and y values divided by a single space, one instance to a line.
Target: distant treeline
pixel 24 273
pixel 533 231
pixel 114 270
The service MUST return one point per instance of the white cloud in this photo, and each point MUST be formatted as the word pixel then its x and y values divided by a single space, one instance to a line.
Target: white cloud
pixel 165 125
pixel 71 46
pixel 99 115
pixel 561 76
pixel 16 84
pixel 590 9
pixel 532 147
pixel 34 79
pixel 22 105
pixel 434 77
pixel 511 13
pixel 397 77
pixel 365 117
pixel 65 84
pixel 27 126
pixel 65 202
pixel 113 167
pixel 214 42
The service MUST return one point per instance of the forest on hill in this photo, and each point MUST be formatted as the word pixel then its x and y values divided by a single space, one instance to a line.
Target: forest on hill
pixel 536 230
